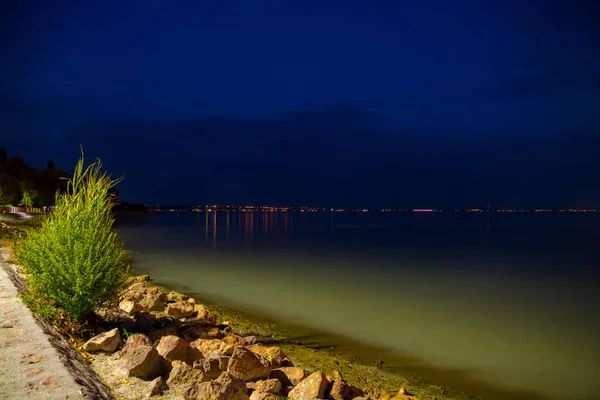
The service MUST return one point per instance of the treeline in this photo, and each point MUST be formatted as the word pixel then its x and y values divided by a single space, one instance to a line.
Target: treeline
pixel 26 186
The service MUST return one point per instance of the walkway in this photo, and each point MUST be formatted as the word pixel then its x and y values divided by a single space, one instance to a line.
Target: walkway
pixel 30 366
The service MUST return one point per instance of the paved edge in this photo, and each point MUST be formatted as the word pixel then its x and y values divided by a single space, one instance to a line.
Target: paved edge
pixel 62 373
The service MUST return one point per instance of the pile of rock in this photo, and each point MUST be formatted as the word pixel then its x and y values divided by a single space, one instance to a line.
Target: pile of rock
pixel 179 347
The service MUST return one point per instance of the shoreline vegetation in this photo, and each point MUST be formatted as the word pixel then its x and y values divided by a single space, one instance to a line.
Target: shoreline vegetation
pixel 146 340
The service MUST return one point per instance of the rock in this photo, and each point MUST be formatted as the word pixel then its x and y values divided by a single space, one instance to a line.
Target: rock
pixel 173 348
pixel 273 354
pixel 289 376
pixel 403 394
pixel 180 309
pixel 176 296
pixel 226 387
pixel 234 340
pixel 166 320
pixel 213 366
pixel 134 292
pixel 182 374
pixel 247 365
pixel 157 334
pixel 250 340
pixel 145 321
pixel 341 390
pixel 266 386
pixel 202 332
pixel 210 347
pixel 136 340
pixel 152 290
pixel 142 278
pixel 115 318
pixel 130 306
pixel 143 362
pixel 203 313
pixel 263 396
pixel 153 302
pixel 313 387
pixel 155 387
pixel 107 341
pixel 287 363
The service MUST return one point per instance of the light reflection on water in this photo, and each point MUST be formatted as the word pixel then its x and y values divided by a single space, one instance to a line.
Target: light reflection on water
pixel 512 300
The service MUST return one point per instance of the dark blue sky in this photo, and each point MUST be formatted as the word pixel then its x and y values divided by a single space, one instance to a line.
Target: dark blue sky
pixel 350 103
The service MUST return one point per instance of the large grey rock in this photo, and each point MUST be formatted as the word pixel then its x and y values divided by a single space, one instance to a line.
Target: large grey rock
pixel 226 387
pixel 180 309
pixel 289 376
pixel 313 387
pixel 182 374
pixel 107 341
pixel 247 365
pixel 143 362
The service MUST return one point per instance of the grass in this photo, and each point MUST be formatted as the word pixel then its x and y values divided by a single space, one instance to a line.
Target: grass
pixel 75 260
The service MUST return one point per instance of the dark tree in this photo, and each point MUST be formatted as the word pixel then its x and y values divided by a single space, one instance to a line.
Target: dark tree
pixel 3 156
pixel 50 165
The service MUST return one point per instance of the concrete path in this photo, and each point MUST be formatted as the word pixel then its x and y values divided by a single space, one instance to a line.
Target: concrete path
pixel 30 364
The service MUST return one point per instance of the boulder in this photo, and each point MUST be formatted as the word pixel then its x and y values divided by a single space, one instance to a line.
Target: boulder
pixel 107 341
pixel 247 365
pixel 136 340
pixel 157 334
pixel 110 318
pixel 202 332
pixel 155 388
pixel 153 302
pixel 313 387
pixel 130 306
pixel 234 340
pixel 180 309
pixel 250 340
pixel 203 313
pixel 182 374
pixel 145 321
pixel 134 292
pixel 142 278
pixel 263 396
pixel 403 394
pixel 173 348
pixel 210 347
pixel 213 366
pixel 289 376
pixel 143 362
pixel 226 387
pixel 176 296
pixel 341 390
pixel 152 290
pixel 273 354
pixel 267 386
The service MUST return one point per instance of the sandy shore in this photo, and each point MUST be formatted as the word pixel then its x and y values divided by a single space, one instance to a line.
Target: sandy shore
pixel 359 363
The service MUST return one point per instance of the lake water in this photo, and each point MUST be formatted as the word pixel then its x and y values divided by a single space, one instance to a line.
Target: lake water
pixel 508 298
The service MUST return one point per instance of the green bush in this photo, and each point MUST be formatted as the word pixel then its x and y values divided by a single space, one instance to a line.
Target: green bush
pixel 76 258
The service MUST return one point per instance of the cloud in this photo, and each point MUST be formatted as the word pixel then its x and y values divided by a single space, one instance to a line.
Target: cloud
pixel 306 158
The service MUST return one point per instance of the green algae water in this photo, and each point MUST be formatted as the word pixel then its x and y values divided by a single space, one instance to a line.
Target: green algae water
pixel 508 299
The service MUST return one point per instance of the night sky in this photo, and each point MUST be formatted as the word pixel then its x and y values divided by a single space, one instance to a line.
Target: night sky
pixel 328 103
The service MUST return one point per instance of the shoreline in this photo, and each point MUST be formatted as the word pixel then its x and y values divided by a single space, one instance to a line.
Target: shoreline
pixel 361 364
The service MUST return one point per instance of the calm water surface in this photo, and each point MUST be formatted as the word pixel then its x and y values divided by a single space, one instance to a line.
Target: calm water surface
pixel 509 298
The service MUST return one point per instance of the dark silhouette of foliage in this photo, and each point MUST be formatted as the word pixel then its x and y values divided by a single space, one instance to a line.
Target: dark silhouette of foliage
pixel 21 184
